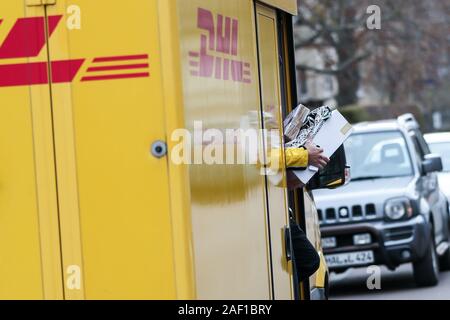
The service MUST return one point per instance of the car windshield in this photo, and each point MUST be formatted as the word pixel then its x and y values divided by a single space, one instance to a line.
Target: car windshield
pixel 378 155
pixel 443 149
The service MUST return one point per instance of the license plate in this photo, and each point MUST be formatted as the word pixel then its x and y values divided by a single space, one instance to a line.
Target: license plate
pixel 350 259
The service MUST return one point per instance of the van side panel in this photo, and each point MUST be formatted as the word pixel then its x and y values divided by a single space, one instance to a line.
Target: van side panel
pixel 221 91
pixel 29 242
pixel 119 193
pixel 29 239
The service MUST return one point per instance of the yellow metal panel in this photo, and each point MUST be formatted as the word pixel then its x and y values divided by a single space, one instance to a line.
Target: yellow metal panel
pixel 313 233
pixel 122 190
pixel 320 275
pixel 271 105
pixel 227 201
pixel 66 165
pixel 179 179
pixel 33 2
pixel 289 6
pixel 39 2
pixel 29 254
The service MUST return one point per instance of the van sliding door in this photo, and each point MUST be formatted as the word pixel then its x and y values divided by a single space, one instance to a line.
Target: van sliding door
pixel 271 99
pixel 113 179
pixel 29 237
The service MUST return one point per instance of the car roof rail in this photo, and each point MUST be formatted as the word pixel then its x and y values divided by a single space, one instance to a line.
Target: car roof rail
pixel 409 121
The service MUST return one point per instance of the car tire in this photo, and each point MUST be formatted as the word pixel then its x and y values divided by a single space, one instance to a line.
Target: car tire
pixel 444 261
pixel 426 270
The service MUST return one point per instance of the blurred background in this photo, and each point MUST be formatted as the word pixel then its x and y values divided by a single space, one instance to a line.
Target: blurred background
pixel 399 66
pixel 377 63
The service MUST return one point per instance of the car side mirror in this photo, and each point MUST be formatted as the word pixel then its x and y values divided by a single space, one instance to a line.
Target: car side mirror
pixel 432 163
pixel 334 175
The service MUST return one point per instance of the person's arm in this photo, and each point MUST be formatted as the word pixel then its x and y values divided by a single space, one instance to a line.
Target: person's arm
pixel 296 157
pixel 310 155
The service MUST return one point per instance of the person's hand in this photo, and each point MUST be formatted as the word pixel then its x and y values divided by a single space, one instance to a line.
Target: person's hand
pixel 315 156
pixel 293 182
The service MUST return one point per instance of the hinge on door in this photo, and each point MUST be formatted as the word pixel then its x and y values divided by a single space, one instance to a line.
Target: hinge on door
pixel 31 3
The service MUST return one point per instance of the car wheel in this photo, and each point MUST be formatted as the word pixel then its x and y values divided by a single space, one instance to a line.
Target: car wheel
pixel 426 270
pixel 444 261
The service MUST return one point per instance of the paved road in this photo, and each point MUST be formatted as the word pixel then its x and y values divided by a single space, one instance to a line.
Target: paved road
pixel 397 285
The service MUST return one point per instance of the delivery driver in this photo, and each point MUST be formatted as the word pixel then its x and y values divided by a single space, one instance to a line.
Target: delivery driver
pixel 305 259
pixel 309 155
pixel 300 158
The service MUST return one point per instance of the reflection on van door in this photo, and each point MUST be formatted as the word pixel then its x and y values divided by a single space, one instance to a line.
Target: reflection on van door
pixel 272 117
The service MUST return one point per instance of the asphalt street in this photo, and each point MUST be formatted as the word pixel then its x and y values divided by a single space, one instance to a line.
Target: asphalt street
pixel 395 285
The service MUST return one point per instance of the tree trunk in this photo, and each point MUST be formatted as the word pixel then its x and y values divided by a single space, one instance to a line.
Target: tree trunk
pixel 349 79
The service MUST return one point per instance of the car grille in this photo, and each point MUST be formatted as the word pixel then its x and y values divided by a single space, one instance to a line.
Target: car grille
pixel 347 214
pixel 397 234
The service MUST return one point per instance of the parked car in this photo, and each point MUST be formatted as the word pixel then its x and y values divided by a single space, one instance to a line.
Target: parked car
pixel 440 144
pixel 393 211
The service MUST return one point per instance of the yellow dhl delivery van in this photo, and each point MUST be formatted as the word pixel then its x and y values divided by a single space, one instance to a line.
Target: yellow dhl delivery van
pixel 91 206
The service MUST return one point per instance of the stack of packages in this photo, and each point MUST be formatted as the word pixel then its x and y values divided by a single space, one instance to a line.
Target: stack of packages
pixel 302 125
pixel 324 127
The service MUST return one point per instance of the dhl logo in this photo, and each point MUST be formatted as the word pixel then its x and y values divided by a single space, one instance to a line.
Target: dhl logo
pixel 218 49
pixel 27 38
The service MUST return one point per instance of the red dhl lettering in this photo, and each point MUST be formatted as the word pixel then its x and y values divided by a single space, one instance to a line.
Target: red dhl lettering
pixel 221 39
pixel 26 39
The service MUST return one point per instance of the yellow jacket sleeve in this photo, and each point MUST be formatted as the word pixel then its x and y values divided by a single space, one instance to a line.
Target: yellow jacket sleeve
pixel 295 157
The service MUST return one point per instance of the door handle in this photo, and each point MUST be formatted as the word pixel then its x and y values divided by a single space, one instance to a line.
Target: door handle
pixel 288 243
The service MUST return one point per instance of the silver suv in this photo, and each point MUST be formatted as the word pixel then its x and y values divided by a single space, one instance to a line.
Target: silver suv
pixel 392 211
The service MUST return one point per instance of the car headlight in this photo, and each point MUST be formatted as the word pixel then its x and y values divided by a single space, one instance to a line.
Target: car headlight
pixel 398 208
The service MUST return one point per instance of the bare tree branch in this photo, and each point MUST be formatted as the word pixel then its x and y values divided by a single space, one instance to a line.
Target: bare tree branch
pixel 400 59
pixel 341 67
